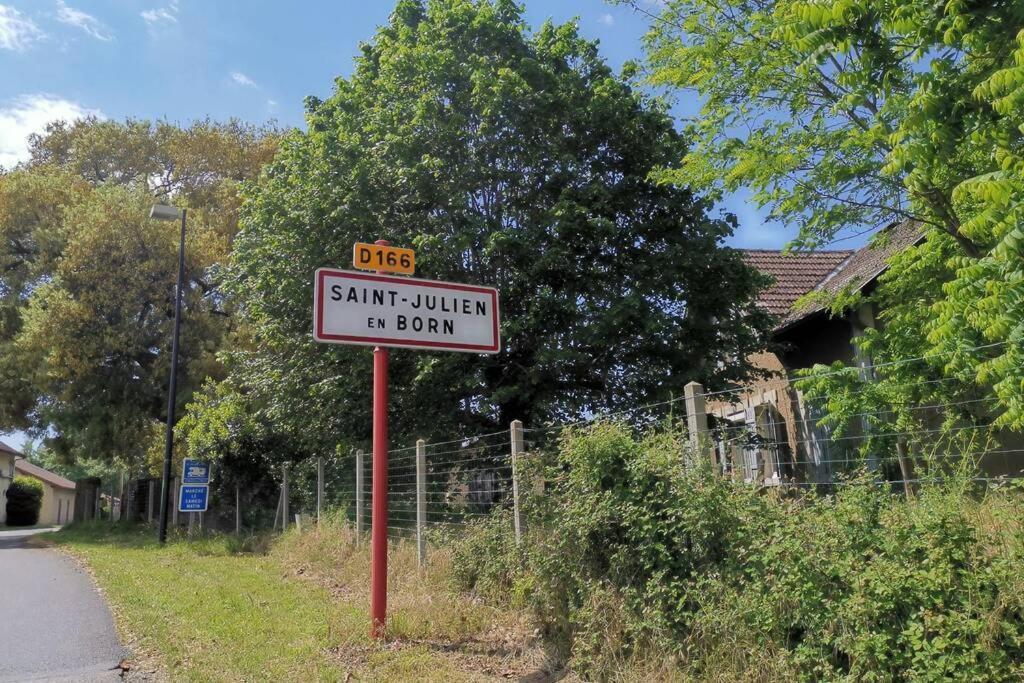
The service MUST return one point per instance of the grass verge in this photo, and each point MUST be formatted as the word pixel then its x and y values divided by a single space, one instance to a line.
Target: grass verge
pixel 294 608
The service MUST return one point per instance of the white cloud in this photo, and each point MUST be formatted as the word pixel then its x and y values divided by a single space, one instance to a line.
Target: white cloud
pixel 17 32
pixel 607 19
pixel 29 114
pixel 271 104
pixel 241 79
pixel 88 23
pixel 161 15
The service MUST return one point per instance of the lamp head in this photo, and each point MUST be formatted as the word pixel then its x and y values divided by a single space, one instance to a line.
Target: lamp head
pixel 163 212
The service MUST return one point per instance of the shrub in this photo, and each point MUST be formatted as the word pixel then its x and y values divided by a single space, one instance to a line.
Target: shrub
pixel 636 559
pixel 24 500
pixel 485 559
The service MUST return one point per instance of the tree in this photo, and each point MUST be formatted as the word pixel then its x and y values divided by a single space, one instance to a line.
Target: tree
pixel 846 116
pixel 505 158
pixel 87 280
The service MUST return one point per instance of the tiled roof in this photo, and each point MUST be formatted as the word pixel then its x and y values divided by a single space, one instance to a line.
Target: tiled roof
pixel 4 448
pixel 826 271
pixel 23 466
pixel 794 275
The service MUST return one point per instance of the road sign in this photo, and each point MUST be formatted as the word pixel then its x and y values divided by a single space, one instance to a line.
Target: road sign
pixel 195 472
pixel 382 310
pixel 193 498
pixel 382 258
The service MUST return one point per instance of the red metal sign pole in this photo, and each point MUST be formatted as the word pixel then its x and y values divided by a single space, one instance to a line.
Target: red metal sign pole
pixel 379 516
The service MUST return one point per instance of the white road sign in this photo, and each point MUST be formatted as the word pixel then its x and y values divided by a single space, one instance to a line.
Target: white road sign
pixel 382 310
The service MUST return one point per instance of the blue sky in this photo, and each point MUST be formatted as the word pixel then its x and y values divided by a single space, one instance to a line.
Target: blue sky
pixel 252 59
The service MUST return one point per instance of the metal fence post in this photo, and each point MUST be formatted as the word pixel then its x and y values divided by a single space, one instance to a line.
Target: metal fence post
pixel 284 497
pixel 697 419
pixel 517 450
pixel 360 497
pixel 319 489
pixel 421 501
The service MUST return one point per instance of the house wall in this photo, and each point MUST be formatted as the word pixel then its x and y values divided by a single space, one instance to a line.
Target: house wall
pixel 6 477
pixel 58 505
pixel 795 453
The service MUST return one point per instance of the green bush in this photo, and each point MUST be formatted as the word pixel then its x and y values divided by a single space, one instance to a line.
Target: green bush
pixel 24 500
pixel 635 557
pixel 485 559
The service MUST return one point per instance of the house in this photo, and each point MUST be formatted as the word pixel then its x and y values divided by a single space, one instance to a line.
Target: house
pixel 790 445
pixel 7 456
pixel 58 492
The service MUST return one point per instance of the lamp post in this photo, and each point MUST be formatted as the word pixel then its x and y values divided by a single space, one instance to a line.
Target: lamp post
pixel 162 212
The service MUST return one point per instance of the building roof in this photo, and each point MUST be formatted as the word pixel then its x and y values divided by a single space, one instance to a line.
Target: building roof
pixel 26 468
pixel 4 448
pixel 794 275
pixel 826 271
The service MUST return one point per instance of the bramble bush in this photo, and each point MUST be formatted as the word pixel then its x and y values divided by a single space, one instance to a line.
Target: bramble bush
pixel 24 501
pixel 636 563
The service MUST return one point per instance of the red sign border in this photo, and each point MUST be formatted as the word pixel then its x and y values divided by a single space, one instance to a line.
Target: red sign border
pixel 318 313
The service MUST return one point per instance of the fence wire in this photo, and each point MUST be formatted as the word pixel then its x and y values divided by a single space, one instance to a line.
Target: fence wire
pixel 765 434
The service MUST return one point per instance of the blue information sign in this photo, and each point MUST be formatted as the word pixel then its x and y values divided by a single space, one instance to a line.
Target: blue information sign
pixel 195 472
pixel 193 498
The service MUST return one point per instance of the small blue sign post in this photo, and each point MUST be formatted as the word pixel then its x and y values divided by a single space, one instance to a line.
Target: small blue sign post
pixel 194 495
pixel 195 472
pixel 193 498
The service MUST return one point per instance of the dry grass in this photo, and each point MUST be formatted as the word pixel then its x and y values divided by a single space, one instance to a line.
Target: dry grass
pixel 434 628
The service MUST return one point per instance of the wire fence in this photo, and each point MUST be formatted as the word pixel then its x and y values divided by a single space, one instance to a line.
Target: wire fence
pixel 767 434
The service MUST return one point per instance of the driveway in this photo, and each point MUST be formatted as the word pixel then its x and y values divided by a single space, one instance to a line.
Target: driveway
pixel 54 624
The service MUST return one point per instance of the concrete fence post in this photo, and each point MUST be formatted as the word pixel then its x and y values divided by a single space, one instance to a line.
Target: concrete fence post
pixel 176 496
pixel 421 502
pixel 319 489
pixel 360 497
pixel 151 497
pixel 284 497
pixel 517 451
pixel 238 510
pixel 277 508
pixel 124 499
pixel 697 420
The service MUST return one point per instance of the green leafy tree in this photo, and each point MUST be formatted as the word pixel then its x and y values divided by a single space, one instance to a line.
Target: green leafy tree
pixel 87 279
pixel 507 158
pixel 841 117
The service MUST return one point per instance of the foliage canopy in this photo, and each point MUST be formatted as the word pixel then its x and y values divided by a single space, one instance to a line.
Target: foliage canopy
pixel 507 158
pixel 845 116
pixel 87 280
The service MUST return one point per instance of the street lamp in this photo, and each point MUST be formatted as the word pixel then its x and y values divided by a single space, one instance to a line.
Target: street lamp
pixel 162 212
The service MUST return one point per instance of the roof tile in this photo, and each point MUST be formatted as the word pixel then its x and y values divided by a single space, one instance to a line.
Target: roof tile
pixel 794 275
pixel 798 273
pixel 24 467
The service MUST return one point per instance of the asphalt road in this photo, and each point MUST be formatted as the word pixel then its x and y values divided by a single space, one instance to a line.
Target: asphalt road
pixel 54 624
